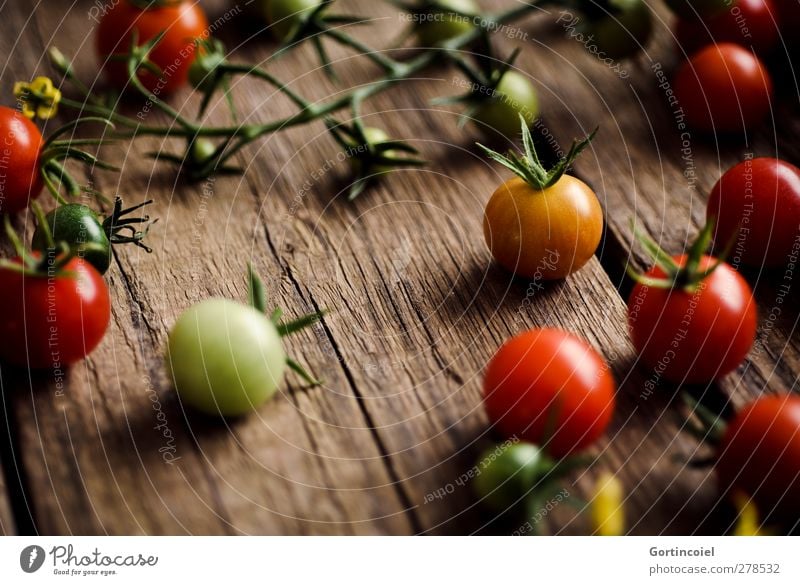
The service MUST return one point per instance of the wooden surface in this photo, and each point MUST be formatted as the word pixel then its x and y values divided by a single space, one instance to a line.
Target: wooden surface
pixel 417 309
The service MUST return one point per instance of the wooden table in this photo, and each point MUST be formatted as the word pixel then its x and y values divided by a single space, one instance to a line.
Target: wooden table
pixel 417 308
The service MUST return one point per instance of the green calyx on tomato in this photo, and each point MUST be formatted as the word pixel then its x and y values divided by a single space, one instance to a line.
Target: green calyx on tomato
pixel 206 73
pixel 76 224
pixel 527 165
pixel 227 358
pixel 371 152
pixel 687 275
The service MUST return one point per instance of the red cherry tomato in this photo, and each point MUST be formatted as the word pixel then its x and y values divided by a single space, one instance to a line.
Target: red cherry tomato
pixel 50 322
pixel 724 88
pixel 182 23
pixel 760 455
pixel 21 145
pixel 748 23
pixel 759 200
pixel 693 337
pixel 551 388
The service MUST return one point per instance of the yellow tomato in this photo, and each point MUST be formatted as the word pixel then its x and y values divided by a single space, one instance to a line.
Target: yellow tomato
pixel 545 234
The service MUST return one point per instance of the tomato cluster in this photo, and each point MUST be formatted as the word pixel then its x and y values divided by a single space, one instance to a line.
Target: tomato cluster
pixel 724 85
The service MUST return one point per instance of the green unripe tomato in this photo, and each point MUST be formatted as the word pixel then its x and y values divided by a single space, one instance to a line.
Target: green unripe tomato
pixel 439 25
pixel 623 34
pixel 507 475
pixel 77 224
pixel 514 96
pixel 202 150
pixel 691 9
pixel 225 358
pixel 284 15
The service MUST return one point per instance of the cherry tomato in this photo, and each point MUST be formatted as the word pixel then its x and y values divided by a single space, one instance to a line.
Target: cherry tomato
pixel 548 387
pixel 22 180
pixel 724 88
pixel 760 455
pixel 77 224
pixel 544 234
pixel 698 8
pixel 182 22
pixel 50 322
pixel 285 15
pixel 758 199
pixel 225 358
pixel 693 336
pixel 749 23
pixel 437 26
pixel 513 97
pixel 622 33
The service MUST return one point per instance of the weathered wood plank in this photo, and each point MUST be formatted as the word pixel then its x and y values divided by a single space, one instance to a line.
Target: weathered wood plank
pixel 96 460
pixel 417 306
pixel 435 308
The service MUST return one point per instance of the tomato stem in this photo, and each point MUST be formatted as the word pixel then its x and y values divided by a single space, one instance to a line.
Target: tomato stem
pixel 237 137
pixel 689 276
pixel 527 165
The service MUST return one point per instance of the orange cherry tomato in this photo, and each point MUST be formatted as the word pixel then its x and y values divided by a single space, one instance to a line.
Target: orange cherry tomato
pixel 547 233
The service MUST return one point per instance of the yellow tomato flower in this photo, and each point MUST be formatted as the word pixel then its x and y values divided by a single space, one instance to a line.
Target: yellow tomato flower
pixel 748 522
pixel 606 508
pixel 39 98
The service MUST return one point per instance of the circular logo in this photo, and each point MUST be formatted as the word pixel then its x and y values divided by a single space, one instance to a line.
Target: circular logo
pixel 31 558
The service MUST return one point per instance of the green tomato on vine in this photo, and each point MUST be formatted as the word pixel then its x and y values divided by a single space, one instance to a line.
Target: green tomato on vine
pixel 78 225
pixel 226 358
pixel 514 96
pixel 445 20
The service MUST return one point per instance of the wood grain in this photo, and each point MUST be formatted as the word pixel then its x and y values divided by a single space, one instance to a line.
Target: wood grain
pixel 417 309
